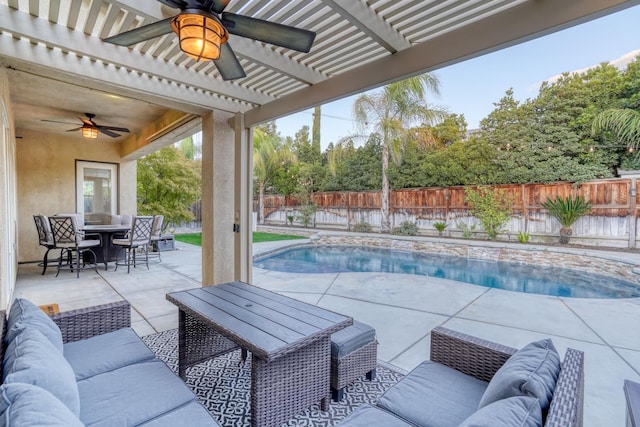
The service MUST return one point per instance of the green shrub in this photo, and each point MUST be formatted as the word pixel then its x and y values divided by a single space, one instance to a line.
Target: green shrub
pixel 567 210
pixel 491 207
pixel 467 230
pixel 523 237
pixel 362 227
pixel 440 226
pixel 290 219
pixel 406 228
pixel 307 212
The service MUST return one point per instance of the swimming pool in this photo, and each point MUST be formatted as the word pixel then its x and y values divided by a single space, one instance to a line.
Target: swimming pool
pixel 502 275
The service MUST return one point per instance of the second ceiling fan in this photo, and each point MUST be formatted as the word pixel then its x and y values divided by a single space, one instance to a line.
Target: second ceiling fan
pixel 203 29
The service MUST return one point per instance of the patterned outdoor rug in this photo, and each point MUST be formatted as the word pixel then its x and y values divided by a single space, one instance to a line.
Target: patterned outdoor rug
pixel 223 386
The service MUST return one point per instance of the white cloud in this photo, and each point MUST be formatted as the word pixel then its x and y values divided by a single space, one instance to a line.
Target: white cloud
pixel 619 63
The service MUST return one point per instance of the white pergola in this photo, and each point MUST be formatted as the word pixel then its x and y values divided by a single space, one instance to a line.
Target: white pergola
pixel 58 67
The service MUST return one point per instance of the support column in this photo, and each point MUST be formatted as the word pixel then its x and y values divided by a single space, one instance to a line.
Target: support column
pixel 218 200
pixel 243 215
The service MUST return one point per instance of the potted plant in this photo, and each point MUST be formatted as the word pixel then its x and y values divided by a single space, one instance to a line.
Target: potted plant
pixel 440 226
pixel 567 210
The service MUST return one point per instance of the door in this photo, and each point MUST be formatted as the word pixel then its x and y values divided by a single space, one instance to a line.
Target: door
pixel 96 191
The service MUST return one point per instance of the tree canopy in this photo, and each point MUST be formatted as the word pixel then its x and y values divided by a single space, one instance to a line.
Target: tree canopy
pixel 168 184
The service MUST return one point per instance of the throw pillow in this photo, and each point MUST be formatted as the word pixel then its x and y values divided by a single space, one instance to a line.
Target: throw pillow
pixel 521 411
pixel 25 314
pixel 531 371
pixel 32 359
pixel 25 405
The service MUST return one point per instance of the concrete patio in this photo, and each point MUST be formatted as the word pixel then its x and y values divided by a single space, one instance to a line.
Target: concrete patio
pixel 402 308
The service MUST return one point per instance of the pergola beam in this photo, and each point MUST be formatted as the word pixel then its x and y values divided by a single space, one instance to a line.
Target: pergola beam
pixel 39 30
pixel 521 23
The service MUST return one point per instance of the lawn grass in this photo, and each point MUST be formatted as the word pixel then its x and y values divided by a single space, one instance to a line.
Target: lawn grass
pixel 196 238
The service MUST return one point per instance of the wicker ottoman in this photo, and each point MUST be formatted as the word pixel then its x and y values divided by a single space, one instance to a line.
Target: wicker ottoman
pixel 353 354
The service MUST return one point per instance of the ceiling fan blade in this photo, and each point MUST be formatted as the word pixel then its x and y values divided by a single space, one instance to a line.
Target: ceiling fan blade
pixel 228 64
pixel 219 5
pixel 140 34
pixel 269 32
pixel 108 132
pixel 117 129
pixel 57 121
pixel 75 129
pixel 176 4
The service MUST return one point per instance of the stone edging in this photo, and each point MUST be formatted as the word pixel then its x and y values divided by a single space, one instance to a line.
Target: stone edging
pixel 589 260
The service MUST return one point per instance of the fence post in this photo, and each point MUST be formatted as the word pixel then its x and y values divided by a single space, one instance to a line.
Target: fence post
pixel 348 211
pixel 525 208
pixel 632 213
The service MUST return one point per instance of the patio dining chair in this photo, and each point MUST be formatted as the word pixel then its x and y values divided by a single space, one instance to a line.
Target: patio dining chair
pixel 68 237
pixel 156 236
pixel 45 238
pixel 138 237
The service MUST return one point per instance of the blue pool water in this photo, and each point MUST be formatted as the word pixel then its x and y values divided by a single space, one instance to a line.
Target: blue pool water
pixel 502 275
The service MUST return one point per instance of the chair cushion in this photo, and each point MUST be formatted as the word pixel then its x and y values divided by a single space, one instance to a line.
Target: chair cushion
pixel 25 314
pixel 194 412
pixel 521 411
pixel 25 405
pixel 434 395
pixel 531 371
pixel 106 352
pixel 32 359
pixel 106 399
pixel 351 338
pixel 367 416
pixel 88 243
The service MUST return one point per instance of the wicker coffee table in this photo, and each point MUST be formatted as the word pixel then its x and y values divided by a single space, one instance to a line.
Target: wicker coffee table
pixel 290 342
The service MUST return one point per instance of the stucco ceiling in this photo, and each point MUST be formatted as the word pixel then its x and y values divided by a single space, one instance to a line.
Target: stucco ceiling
pixel 59 68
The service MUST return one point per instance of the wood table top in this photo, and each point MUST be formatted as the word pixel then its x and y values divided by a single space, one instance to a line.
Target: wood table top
pixel 263 322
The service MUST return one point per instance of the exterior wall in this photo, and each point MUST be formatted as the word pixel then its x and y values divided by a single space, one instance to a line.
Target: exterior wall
pixel 46 168
pixel 8 212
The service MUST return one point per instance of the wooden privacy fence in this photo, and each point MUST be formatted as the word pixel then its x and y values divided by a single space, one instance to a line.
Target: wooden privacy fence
pixel 612 221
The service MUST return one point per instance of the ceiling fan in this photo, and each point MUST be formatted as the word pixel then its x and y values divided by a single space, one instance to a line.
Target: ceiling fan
pixel 203 28
pixel 90 129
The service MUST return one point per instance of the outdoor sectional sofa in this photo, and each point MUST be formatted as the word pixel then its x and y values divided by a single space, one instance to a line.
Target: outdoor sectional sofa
pixel 473 382
pixel 87 367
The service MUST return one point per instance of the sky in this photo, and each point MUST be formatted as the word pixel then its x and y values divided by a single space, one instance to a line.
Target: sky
pixel 472 87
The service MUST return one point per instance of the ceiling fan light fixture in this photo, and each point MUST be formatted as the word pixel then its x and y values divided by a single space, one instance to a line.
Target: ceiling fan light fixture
pixel 89 132
pixel 200 33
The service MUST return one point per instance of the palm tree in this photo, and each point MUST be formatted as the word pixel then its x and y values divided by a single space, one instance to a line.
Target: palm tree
pixel 624 123
pixel 392 113
pixel 267 159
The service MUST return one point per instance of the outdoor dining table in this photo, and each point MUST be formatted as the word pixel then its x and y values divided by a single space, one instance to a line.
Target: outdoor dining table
pixel 106 232
pixel 289 340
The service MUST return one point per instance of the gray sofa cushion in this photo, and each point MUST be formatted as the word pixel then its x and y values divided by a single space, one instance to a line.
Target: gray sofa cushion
pixel 531 371
pixel 521 411
pixel 26 405
pixel 194 412
pixel 131 395
pixel 351 338
pixel 24 312
pixel 368 416
pixel 32 359
pixel 434 395
pixel 106 352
